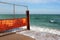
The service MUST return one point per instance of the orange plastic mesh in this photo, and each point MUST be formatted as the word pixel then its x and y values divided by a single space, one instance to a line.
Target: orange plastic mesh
pixel 7 24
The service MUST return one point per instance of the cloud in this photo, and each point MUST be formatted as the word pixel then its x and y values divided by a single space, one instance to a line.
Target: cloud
pixel 42 1
pixel 32 1
pixel 39 10
pixel 38 1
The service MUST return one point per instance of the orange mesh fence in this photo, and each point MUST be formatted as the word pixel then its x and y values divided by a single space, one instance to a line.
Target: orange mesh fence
pixel 8 24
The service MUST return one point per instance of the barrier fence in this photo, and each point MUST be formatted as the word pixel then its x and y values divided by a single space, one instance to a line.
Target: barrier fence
pixel 14 22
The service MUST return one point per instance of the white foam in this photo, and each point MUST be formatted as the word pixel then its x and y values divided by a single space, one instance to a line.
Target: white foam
pixel 39 29
pixel 53 31
pixel 18 29
pixel 39 33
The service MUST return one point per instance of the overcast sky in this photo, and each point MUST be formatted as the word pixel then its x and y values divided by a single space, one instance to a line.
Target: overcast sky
pixel 36 6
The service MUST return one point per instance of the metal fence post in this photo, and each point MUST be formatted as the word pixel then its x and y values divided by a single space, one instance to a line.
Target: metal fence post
pixel 28 21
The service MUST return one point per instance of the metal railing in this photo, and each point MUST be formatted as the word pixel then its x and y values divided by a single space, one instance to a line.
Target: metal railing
pixel 27 12
pixel 14 6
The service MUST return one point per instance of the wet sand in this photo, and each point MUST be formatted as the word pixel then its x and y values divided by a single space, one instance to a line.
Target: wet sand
pixel 37 35
pixel 15 37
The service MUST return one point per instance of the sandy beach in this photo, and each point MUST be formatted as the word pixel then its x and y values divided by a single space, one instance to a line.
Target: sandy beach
pixel 15 37
pixel 32 34
pixel 29 19
pixel 40 35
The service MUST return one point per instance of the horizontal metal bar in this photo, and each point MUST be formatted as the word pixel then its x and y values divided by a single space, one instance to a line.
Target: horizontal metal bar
pixel 14 4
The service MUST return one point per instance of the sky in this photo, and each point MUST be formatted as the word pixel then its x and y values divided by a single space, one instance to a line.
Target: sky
pixel 35 6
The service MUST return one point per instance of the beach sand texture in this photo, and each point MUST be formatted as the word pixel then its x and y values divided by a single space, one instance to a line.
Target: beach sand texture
pixel 15 37
pixel 40 35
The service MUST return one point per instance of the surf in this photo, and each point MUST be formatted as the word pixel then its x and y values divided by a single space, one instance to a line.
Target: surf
pixel 40 29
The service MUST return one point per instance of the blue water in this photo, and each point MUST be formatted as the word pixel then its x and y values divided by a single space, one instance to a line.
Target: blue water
pixel 38 20
pixel 42 20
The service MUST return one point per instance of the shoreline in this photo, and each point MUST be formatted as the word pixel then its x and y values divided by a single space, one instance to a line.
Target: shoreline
pixel 16 37
pixel 48 30
pixel 37 33
pixel 40 35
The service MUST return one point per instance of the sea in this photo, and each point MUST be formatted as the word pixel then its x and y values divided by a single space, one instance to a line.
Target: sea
pixel 43 20
pixel 39 21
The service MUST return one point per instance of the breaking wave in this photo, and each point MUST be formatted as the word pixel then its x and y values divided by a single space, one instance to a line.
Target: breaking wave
pixel 39 29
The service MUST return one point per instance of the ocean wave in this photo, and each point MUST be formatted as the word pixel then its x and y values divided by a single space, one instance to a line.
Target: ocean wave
pixel 40 29
pixel 39 33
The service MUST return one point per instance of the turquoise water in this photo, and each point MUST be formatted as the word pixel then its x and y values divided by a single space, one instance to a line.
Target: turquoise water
pixel 42 20
pixel 38 20
pixel 6 16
